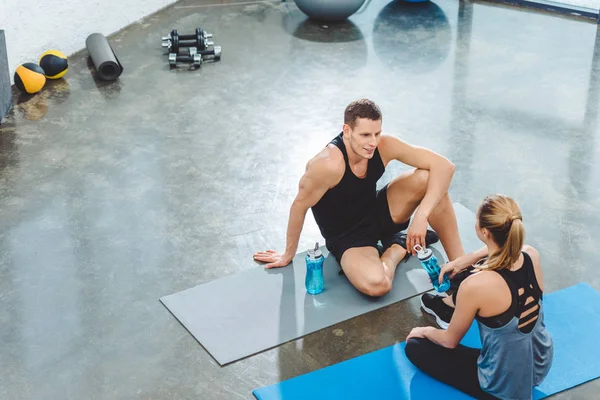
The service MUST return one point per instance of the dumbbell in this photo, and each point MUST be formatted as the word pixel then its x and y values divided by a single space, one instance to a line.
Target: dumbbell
pixel 213 54
pixel 193 58
pixel 199 40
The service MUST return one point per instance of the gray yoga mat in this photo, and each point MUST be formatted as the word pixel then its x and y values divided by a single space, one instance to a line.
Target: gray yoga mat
pixel 255 310
pixel 104 58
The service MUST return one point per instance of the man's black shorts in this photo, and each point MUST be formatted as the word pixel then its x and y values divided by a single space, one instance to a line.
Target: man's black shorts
pixel 376 225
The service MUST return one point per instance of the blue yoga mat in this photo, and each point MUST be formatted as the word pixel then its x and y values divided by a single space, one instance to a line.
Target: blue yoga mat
pixel 572 317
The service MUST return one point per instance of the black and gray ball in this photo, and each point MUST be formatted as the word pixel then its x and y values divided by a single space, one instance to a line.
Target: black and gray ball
pixel 54 63
pixel 328 10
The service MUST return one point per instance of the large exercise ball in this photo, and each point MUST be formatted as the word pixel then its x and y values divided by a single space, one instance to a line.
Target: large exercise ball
pixel 412 37
pixel 329 10
pixel 296 24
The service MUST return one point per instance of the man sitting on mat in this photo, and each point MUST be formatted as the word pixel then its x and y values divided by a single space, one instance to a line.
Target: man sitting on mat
pixel 339 184
pixel 503 293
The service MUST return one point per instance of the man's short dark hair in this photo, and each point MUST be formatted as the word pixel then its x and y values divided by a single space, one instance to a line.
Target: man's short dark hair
pixel 363 108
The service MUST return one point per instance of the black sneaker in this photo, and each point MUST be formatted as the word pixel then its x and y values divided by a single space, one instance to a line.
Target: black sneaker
pixel 400 238
pixel 435 306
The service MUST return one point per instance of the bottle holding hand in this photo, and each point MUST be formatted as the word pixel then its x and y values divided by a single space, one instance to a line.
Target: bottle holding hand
pixel 429 262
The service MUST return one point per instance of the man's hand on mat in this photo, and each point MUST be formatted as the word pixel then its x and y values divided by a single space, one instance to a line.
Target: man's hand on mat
pixel 416 234
pixel 274 258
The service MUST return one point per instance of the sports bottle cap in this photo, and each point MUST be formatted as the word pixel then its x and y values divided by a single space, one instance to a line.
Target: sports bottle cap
pixel 423 253
pixel 316 252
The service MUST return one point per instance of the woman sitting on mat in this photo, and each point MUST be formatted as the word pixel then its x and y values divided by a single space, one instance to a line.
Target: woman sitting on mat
pixel 503 293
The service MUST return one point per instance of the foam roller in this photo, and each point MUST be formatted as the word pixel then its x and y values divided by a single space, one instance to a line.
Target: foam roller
pixel 104 58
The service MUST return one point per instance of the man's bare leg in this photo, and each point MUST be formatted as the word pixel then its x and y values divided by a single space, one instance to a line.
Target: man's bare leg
pixel 392 257
pixel 367 272
pixel 404 195
pixel 373 275
pixel 443 221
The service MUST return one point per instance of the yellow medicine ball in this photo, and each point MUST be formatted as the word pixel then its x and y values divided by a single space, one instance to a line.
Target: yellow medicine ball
pixel 29 77
pixel 54 63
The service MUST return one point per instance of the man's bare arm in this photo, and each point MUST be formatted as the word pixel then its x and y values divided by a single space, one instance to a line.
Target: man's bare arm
pixel 441 170
pixel 322 173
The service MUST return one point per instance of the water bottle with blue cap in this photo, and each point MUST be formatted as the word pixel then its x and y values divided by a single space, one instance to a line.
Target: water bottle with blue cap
pixel 429 262
pixel 314 270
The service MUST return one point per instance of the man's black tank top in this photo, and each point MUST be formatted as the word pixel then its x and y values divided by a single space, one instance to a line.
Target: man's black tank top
pixel 348 202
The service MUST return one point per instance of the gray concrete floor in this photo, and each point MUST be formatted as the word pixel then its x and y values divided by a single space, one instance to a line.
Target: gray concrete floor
pixel 115 194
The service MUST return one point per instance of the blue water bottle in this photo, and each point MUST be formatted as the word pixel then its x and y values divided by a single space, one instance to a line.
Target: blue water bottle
pixel 430 264
pixel 314 270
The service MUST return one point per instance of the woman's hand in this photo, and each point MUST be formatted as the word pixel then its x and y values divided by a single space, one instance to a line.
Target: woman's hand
pixel 451 269
pixel 418 332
